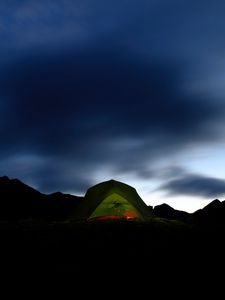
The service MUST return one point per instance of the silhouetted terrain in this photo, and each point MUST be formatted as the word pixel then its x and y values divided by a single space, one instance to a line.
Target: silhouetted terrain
pixel 166 211
pixel 211 215
pixel 19 201
pixel 37 237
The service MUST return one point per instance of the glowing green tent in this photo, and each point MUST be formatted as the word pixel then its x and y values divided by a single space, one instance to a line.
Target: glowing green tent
pixel 112 200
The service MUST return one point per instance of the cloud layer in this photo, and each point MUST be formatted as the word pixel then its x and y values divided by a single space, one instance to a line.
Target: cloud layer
pixel 99 108
pixel 196 185
pixel 87 87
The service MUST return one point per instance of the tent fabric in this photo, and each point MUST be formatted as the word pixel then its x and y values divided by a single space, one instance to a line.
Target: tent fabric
pixel 115 205
pixel 98 193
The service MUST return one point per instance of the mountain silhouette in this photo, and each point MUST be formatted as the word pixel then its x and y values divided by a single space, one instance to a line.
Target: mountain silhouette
pixel 166 211
pixel 20 201
pixel 211 215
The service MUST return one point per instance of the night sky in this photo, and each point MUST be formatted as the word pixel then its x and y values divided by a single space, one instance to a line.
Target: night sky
pixel 127 89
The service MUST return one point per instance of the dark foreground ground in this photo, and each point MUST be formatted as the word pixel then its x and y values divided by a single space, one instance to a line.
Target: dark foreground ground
pixel 157 247
pixel 176 249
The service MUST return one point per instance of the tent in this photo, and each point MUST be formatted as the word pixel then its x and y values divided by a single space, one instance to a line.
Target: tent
pixel 112 200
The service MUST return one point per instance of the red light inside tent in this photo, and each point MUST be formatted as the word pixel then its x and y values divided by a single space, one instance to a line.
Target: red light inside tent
pixel 130 215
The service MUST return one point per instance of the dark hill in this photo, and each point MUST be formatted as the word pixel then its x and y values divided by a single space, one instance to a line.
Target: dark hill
pixel 167 212
pixel 20 201
pixel 211 215
pixel 17 200
pixel 59 206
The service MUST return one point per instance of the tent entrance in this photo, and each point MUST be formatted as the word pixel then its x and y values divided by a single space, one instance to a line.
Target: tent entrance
pixel 115 206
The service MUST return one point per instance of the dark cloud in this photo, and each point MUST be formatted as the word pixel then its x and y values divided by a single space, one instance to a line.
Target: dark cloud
pixel 98 108
pixel 96 87
pixel 196 185
pixel 103 94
